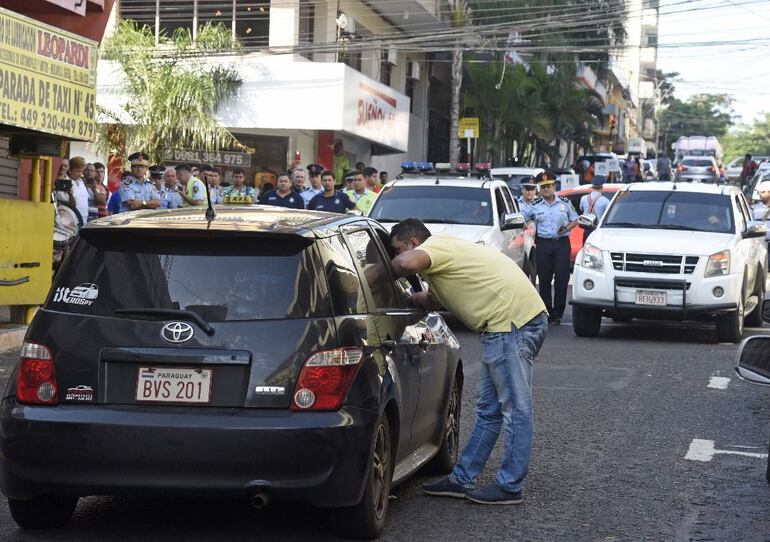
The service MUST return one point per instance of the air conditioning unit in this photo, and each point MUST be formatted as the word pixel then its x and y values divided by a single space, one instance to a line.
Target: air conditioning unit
pixel 390 55
pixel 413 70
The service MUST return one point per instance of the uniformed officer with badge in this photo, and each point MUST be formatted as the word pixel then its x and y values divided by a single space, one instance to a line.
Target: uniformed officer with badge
pixel 170 198
pixel 528 192
pixel 138 192
pixel 283 195
pixel 314 171
pixel 331 200
pixel 554 217
pixel 192 189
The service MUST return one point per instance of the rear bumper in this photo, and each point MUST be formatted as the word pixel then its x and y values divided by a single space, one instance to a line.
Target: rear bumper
pixel 319 458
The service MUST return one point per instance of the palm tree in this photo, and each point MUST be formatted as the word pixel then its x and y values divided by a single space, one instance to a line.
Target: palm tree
pixel 171 93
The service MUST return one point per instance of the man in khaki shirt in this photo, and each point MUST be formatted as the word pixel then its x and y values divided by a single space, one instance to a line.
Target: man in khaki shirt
pixel 490 294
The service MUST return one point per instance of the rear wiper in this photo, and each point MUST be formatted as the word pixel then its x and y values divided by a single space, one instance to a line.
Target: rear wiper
pixel 176 313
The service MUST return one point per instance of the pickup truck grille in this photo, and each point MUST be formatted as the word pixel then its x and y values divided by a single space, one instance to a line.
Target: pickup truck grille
pixel 654 263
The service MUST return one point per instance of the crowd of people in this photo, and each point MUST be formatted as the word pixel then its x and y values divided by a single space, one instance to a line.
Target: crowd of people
pixel 83 188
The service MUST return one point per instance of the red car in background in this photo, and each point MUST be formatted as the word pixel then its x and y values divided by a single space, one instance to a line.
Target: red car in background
pixel 574 195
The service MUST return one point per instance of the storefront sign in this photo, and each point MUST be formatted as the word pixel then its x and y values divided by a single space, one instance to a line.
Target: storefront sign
pixel 215 158
pixel 47 78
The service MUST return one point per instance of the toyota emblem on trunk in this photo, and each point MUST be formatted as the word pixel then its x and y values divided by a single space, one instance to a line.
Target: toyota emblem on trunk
pixel 177 332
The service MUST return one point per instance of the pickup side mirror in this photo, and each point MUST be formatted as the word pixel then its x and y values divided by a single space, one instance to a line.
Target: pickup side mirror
pixel 587 221
pixel 513 221
pixel 754 360
pixel 755 228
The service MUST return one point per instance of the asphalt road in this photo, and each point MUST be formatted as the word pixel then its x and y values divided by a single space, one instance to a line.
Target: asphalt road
pixel 615 418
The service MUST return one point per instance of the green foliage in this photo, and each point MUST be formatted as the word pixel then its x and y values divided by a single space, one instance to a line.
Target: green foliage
pixel 753 139
pixel 701 114
pixel 171 92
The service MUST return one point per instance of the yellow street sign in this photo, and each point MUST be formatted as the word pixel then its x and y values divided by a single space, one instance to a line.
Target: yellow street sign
pixel 468 128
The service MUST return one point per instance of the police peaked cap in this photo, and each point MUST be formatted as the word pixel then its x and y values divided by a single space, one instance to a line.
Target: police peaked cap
pixel 139 159
pixel 314 169
pixel 545 177
pixel 157 169
pixel 529 180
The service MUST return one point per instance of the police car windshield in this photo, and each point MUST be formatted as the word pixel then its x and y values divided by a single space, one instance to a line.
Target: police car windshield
pixel 671 210
pixel 434 204
pixel 216 278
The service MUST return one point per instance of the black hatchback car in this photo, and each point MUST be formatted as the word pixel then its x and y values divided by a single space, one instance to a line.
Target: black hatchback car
pixel 253 355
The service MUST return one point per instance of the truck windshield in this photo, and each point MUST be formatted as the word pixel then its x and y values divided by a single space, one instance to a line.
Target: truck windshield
pixel 434 204
pixel 672 211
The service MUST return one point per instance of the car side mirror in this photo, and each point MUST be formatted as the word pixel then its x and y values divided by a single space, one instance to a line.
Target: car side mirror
pixel 754 360
pixel 513 221
pixel 755 228
pixel 587 221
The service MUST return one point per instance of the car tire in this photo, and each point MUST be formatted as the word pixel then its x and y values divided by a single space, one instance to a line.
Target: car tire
pixel 730 325
pixel 586 322
pixel 444 461
pixel 754 318
pixel 43 512
pixel 366 520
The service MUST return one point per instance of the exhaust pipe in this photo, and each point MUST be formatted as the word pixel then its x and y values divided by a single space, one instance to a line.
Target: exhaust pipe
pixel 259 500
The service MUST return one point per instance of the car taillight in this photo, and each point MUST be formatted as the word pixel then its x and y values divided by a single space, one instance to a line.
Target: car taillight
pixel 36 379
pixel 325 379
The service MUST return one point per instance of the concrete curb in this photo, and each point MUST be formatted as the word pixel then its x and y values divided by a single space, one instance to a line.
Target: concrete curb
pixel 11 337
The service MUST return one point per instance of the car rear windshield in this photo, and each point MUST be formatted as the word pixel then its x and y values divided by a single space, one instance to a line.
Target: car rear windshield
pixel 218 278
pixel 696 163
pixel 434 204
pixel 676 210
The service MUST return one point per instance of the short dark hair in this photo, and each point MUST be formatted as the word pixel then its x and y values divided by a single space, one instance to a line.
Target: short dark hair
pixel 369 171
pixel 238 171
pixel 99 165
pixel 358 172
pixel 182 167
pixel 328 173
pixel 408 229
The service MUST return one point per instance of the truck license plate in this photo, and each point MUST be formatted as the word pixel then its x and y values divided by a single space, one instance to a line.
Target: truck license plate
pixel 651 297
pixel 173 385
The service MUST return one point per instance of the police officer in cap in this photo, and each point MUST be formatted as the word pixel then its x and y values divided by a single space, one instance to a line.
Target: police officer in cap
pixel 138 192
pixel 554 217
pixel 528 192
pixel 314 172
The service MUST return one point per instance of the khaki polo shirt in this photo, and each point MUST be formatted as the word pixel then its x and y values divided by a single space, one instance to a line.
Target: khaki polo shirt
pixel 484 288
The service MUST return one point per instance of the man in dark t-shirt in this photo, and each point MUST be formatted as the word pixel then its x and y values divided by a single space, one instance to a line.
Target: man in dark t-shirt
pixel 330 200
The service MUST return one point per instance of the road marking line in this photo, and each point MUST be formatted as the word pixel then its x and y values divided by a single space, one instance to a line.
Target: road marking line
pixel 718 382
pixel 703 450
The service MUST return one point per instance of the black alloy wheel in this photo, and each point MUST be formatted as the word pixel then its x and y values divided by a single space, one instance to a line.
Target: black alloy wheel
pixel 366 520
pixel 445 459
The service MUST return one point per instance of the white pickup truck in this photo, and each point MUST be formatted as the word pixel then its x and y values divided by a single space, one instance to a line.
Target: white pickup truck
pixel 673 252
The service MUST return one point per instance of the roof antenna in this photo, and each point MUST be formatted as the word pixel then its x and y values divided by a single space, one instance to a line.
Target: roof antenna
pixel 210 214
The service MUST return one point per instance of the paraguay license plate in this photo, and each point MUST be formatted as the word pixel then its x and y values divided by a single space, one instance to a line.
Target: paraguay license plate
pixel 651 297
pixel 173 385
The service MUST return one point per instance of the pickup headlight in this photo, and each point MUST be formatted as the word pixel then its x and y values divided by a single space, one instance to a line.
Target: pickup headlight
pixel 718 264
pixel 591 258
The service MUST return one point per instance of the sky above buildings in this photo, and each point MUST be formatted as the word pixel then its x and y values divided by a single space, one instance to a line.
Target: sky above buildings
pixel 694 39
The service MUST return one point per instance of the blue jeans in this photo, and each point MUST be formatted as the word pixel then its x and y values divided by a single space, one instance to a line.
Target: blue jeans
pixel 503 400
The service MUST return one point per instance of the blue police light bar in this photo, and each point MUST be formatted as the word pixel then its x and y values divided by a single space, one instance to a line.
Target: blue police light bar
pixel 424 166
pixel 408 166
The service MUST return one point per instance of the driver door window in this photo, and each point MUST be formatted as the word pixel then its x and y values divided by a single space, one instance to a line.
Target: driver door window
pixel 375 269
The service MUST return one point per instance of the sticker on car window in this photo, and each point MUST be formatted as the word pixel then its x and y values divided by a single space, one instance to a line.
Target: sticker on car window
pixel 82 294
pixel 484 203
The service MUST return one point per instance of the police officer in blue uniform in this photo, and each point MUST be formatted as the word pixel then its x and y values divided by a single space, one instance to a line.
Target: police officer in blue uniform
pixel 330 200
pixel 528 193
pixel 170 198
pixel 138 192
pixel 554 217
pixel 283 195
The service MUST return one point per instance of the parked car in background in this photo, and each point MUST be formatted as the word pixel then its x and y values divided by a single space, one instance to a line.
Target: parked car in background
pixel 246 356
pixel 672 251
pixel 477 210
pixel 512 176
pixel 574 195
pixel 754 364
pixel 734 169
pixel 697 169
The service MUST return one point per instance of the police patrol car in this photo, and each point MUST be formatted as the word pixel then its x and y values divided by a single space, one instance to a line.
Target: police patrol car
pixel 480 210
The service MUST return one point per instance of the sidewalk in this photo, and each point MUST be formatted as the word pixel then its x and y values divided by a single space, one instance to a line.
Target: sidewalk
pixel 11 335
